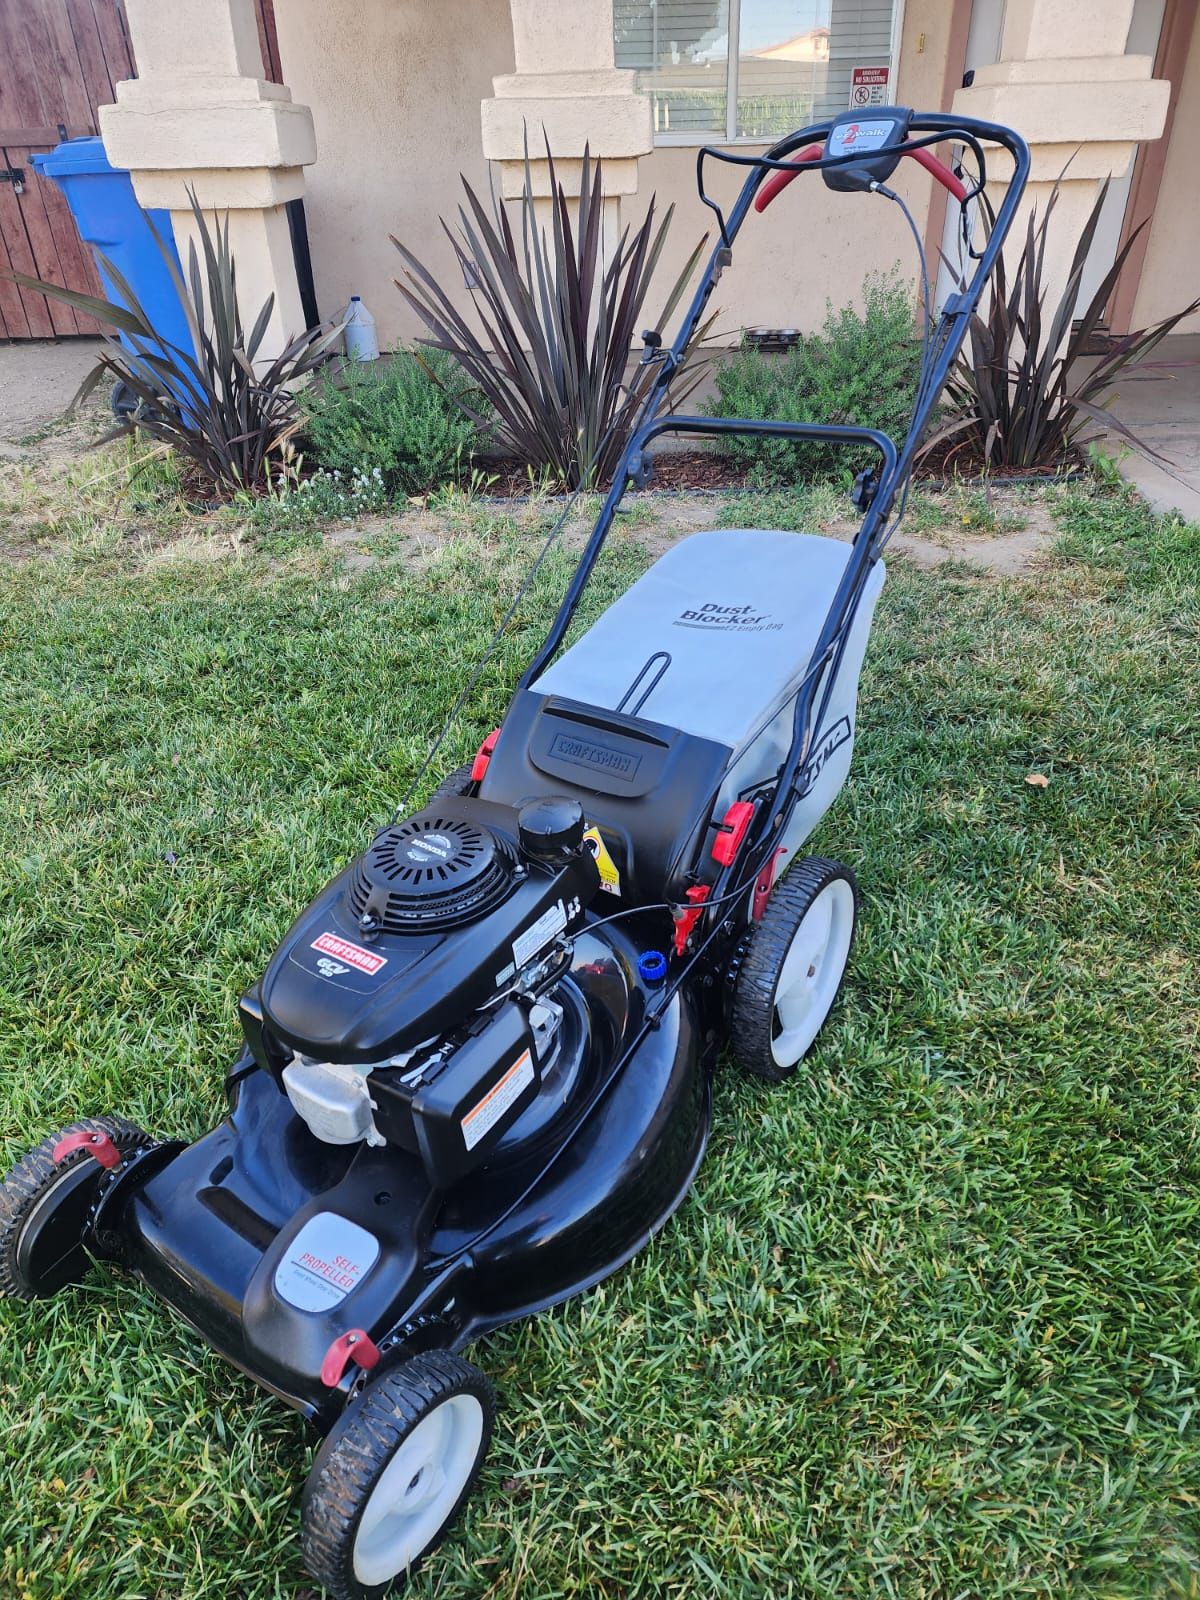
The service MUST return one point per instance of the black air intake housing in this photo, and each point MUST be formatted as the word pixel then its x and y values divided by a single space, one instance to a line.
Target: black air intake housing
pixel 433 871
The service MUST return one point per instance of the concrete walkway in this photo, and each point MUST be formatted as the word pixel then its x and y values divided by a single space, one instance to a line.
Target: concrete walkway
pixel 38 379
pixel 1160 401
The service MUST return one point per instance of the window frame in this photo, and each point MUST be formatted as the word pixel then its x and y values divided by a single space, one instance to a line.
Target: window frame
pixel 693 138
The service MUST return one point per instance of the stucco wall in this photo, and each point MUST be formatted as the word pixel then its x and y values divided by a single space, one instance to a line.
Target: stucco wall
pixel 1171 271
pixel 395 91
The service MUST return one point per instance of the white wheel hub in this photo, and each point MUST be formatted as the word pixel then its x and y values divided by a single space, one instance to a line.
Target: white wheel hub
pixel 419 1488
pixel 812 972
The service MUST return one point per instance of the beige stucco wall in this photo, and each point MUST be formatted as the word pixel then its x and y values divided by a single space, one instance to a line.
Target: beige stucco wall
pixel 395 90
pixel 1171 271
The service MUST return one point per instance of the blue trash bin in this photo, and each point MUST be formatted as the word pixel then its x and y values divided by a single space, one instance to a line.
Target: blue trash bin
pixel 109 219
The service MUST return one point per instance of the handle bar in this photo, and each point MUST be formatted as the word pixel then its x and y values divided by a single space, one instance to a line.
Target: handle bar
pixel 778 181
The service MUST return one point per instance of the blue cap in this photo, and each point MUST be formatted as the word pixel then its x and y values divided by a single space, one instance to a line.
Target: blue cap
pixel 652 966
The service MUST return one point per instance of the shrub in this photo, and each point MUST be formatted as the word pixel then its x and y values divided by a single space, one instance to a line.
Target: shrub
pixel 401 420
pixel 559 307
pixel 1025 392
pixel 861 368
pixel 230 418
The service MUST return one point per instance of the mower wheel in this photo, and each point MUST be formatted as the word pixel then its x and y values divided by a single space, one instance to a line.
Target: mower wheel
pixel 454 784
pixel 45 1206
pixel 394 1473
pixel 792 967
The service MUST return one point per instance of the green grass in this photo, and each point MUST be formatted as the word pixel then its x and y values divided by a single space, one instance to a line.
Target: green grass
pixel 929 1324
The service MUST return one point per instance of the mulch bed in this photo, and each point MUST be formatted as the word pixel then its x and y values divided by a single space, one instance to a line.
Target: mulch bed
pixel 682 471
pixel 692 471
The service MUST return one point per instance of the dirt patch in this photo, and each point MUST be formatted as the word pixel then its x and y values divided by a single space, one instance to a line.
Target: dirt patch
pixel 1019 534
pixel 38 379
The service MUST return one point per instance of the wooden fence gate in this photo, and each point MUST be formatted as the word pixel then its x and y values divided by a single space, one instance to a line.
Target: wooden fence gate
pixel 59 60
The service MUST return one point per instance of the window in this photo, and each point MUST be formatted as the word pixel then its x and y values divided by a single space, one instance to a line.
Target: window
pixel 750 69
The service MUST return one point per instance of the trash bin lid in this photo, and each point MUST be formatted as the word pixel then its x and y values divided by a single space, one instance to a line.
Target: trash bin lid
pixel 73 155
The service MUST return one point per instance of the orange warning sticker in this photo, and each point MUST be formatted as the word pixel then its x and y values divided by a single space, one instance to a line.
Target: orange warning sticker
pixel 482 1118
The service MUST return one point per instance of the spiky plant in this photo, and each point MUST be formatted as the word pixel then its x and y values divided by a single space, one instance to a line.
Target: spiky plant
pixel 559 308
pixel 232 420
pixel 1028 389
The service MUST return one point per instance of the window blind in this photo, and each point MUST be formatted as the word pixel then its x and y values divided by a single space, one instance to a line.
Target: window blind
pixel 795 60
pixel 680 49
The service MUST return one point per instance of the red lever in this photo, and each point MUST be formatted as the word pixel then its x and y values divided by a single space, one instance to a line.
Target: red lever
pixel 98 1145
pixel 686 920
pixel 779 181
pixel 356 1346
pixel 732 831
pixel 483 755
pixel 764 884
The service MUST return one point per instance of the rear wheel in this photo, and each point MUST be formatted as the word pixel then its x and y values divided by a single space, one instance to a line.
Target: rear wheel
pixel 458 782
pixel 45 1207
pixel 792 967
pixel 394 1473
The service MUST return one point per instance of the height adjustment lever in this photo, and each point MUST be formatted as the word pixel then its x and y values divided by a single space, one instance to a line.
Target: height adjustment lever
pixel 651 346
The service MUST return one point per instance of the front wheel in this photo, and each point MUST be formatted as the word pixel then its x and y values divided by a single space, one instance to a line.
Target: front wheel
pixel 45 1210
pixel 792 967
pixel 394 1473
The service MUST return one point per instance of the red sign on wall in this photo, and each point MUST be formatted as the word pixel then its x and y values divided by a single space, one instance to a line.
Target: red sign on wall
pixel 869 87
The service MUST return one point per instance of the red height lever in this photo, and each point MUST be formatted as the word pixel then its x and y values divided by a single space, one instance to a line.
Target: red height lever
pixel 98 1145
pixel 778 181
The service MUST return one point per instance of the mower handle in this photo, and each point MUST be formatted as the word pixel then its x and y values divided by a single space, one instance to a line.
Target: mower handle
pixel 778 181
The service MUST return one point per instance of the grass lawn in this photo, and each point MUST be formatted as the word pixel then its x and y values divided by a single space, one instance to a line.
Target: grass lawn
pixel 929 1324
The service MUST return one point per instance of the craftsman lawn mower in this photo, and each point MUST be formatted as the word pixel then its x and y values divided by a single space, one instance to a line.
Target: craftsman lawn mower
pixel 476 1073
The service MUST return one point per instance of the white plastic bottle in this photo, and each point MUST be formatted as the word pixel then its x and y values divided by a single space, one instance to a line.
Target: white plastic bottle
pixel 362 344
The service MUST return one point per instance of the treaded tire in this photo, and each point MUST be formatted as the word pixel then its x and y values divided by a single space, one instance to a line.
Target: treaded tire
pixel 755 1027
pixel 454 784
pixel 32 1179
pixel 357 1453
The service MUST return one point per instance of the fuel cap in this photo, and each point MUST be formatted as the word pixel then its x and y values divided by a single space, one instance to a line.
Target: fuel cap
pixel 551 827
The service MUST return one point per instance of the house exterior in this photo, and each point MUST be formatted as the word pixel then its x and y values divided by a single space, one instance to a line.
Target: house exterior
pixel 383 103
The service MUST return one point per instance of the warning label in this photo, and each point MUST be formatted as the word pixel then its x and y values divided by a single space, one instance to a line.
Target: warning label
pixel 869 87
pixel 610 878
pixel 479 1121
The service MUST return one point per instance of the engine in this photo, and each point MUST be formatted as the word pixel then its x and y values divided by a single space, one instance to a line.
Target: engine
pixel 412 1002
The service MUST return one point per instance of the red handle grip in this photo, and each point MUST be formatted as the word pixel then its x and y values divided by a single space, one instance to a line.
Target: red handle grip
pixel 778 181
pixel 939 170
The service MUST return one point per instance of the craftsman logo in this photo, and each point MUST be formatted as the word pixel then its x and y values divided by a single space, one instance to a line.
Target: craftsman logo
pixel 833 740
pixel 599 757
pixel 353 954
pixel 717 618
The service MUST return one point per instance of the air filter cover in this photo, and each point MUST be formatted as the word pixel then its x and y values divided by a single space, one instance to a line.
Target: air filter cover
pixel 430 872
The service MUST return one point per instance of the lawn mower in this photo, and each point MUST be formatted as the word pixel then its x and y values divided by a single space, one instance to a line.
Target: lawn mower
pixel 476 1073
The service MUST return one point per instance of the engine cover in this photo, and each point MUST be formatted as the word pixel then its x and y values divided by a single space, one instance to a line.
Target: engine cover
pixel 438 915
